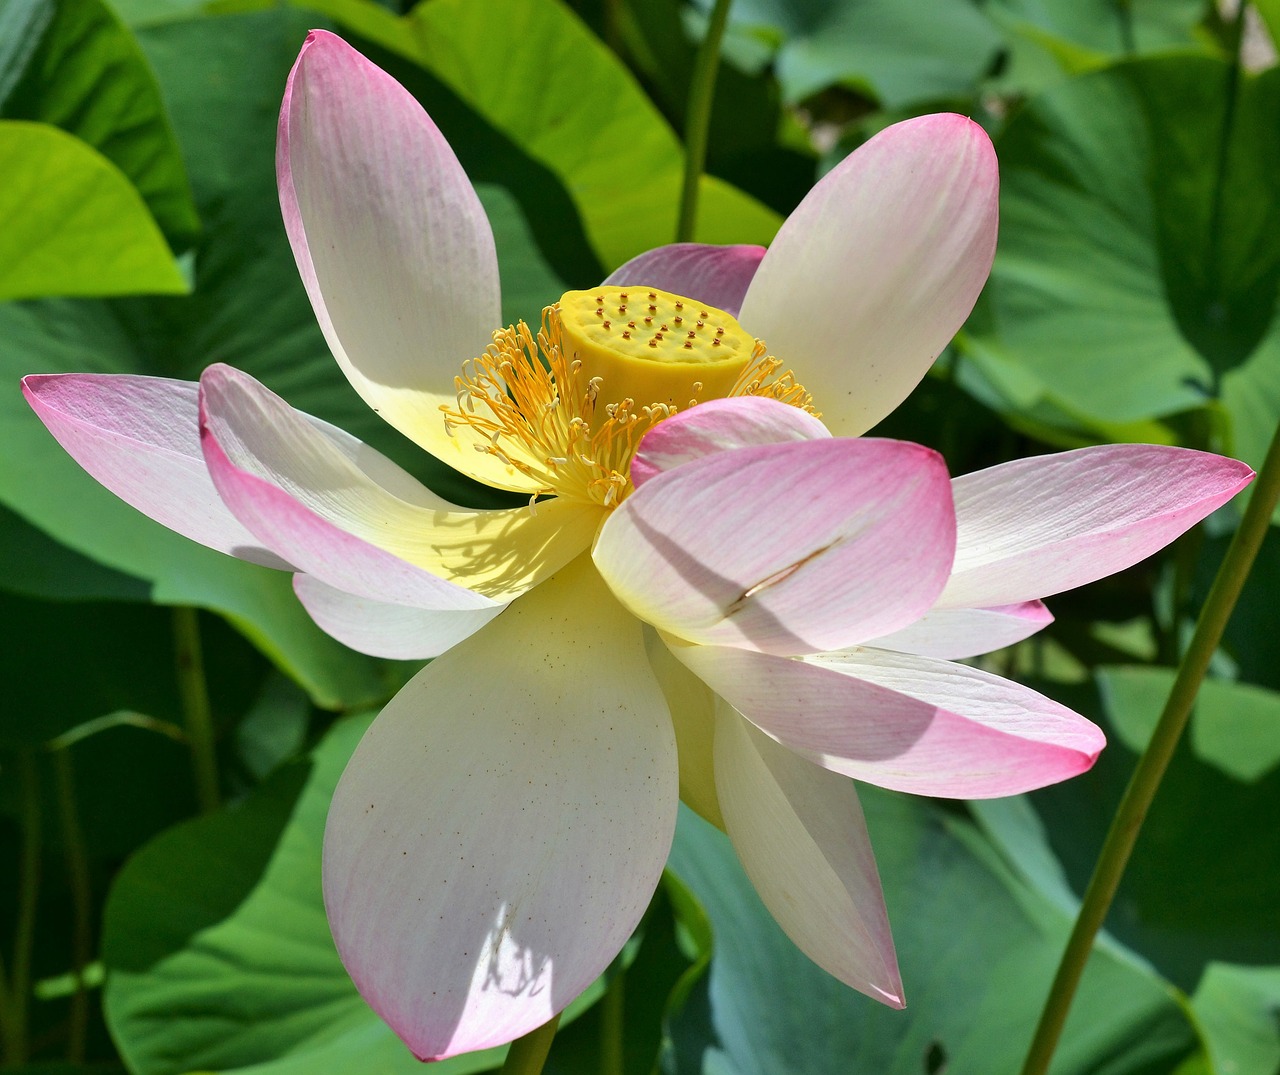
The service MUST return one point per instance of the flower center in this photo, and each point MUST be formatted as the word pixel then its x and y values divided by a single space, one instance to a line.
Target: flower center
pixel 568 407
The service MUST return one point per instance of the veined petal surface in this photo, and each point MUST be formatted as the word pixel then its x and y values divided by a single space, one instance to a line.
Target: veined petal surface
pixel 502 826
pixel 1038 526
pixel 909 723
pixel 140 437
pixel 716 275
pixel 878 267
pixel 953 634
pixel 719 425
pixel 785 548
pixel 799 832
pixel 299 492
pixel 382 629
pixel 392 244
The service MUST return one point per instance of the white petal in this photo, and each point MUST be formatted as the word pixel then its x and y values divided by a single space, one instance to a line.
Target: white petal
pixel 785 548
pixel 1038 526
pixel 800 835
pixel 382 629
pixel 502 826
pixel 392 244
pixel 953 634
pixel 879 266
pixel 908 723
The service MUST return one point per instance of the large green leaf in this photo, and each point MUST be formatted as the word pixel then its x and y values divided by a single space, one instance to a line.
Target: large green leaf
pixel 77 67
pixel 1239 1008
pixel 1140 251
pixel 977 949
pixel 899 54
pixel 568 103
pixel 71 223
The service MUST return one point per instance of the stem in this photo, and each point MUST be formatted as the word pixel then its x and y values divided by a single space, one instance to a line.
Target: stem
pixel 15 1009
pixel 81 903
pixel 612 1007
pixel 1151 767
pixel 697 120
pixel 527 1055
pixel 196 711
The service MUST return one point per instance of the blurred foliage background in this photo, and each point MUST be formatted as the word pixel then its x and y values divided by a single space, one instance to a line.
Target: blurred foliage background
pixel 158 922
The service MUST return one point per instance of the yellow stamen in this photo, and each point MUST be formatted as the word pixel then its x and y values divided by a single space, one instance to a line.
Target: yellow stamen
pixel 562 408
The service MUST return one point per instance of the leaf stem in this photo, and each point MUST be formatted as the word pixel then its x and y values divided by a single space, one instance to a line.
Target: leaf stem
pixel 1150 770
pixel 196 711
pixel 527 1055
pixel 612 1009
pixel 81 902
pixel 14 1014
pixel 697 120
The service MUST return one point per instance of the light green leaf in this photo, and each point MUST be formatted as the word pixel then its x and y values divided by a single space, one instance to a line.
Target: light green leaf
pixel 71 223
pixel 1239 1008
pixel 1235 726
pixel 977 948
pixel 1136 278
pixel 83 71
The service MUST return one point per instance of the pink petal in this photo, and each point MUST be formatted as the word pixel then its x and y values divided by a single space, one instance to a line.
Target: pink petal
pixel 392 243
pixel 140 437
pixel 785 548
pixel 953 634
pixel 718 426
pixel 298 497
pixel 717 275
pixel 799 832
pixel 502 826
pixel 877 268
pixel 1038 526
pixel 398 632
pixel 908 723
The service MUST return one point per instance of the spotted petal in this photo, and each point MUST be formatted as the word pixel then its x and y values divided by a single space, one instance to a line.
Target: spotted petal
pixel 877 268
pixel 1037 526
pixel 392 244
pixel 799 832
pixel 717 275
pixel 496 837
pixel 908 723
pixel 786 548
pixel 342 522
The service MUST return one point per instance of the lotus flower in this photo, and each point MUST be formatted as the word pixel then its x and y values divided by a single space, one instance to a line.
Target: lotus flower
pixel 733 601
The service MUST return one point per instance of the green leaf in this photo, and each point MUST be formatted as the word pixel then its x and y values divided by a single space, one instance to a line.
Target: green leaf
pixel 1239 1008
pixel 977 949
pixel 83 71
pixel 1235 726
pixel 71 223
pixel 1140 252
pixel 899 54
pixel 568 103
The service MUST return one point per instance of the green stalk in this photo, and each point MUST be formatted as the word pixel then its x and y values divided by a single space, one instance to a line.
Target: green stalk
pixel 1151 767
pixel 81 903
pixel 196 711
pixel 527 1055
pixel 14 1014
pixel 612 1011
pixel 697 121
